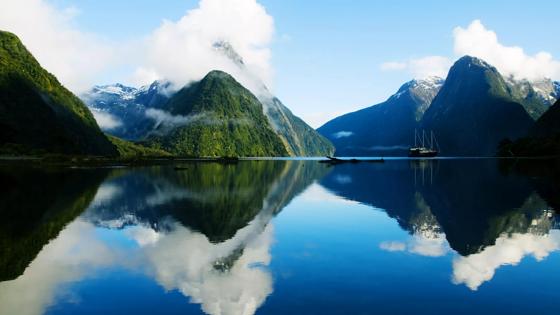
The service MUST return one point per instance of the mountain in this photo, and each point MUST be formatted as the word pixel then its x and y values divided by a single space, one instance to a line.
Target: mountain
pixel 37 114
pixel 549 123
pixel 474 110
pixel 216 116
pixel 121 110
pixel 386 128
pixel 536 97
pixel 298 137
pixel 543 138
pixel 125 111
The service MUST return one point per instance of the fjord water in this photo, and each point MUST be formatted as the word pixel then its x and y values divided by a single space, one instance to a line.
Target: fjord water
pixel 276 237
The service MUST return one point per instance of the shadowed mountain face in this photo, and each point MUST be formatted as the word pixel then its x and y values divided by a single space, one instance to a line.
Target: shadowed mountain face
pixel 386 128
pixel 37 114
pixel 36 205
pixel 548 125
pixel 474 111
pixel 471 202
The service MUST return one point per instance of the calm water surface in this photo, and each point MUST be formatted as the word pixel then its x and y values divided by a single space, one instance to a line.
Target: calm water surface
pixel 281 237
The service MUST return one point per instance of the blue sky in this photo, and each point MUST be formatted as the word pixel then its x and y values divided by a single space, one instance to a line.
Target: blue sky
pixel 327 56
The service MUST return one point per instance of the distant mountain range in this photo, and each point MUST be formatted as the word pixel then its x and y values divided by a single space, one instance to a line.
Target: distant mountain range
pixel 470 112
pixel 386 128
pixel 150 113
pixel 473 112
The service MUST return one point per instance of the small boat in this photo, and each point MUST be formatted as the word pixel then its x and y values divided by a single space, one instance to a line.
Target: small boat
pixel 423 146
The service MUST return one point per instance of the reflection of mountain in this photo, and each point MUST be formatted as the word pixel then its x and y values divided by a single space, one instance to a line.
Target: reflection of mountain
pixel 36 205
pixel 203 231
pixel 472 202
pixel 215 199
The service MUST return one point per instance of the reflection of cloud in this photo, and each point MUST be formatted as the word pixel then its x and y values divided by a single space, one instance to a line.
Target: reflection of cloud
pixel 105 193
pixel 476 269
pixel 64 260
pixel 393 246
pixel 318 193
pixel 434 245
pixel 343 179
pixel 186 260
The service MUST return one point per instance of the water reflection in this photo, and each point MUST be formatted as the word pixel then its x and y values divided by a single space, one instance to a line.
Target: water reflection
pixel 206 232
pixel 489 213
pixel 203 230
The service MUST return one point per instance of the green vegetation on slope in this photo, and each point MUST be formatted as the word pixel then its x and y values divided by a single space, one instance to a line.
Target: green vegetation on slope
pixel 37 114
pixel 298 137
pixel 129 149
pixel 217 117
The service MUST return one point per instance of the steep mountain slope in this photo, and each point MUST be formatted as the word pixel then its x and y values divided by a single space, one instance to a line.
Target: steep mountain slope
pixel 126 111
pixel 121 110
pixel 542 140
pixel 474 110
pixel 549 123
pixel 386 128
pixel 216 116
pixel 536 97
pixel 37 114
pixel 298 137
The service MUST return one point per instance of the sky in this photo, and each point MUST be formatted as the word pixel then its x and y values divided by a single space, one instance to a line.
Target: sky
pixel 321 58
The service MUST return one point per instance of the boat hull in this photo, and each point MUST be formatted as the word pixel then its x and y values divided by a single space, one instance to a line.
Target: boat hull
pixel 422 153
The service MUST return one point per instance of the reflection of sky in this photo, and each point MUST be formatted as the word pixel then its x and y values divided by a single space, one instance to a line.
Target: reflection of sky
pixel 328 252
pixel 177 259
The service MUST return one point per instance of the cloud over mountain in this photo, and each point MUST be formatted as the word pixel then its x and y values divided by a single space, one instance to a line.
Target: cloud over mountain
pixel 478 41
pixel 184 51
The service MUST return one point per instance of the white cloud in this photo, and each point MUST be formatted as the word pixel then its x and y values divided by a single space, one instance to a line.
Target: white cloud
pixel 105 120
pixel 183 51
pixel 75 58
pixel 476 269
pixel 478 41
pixel 343 134
pixel 421 68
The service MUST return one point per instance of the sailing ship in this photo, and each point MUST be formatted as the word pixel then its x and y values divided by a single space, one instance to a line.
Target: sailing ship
pixel 424 146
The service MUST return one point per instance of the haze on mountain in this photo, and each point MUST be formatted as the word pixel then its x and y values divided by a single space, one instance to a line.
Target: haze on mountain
pixel 385 128
pixel 470 113
pixel 216 116
pixel 145 113
pixel 39 115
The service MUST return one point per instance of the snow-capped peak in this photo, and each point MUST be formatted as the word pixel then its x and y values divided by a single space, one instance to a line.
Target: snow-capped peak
pixel 120 90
